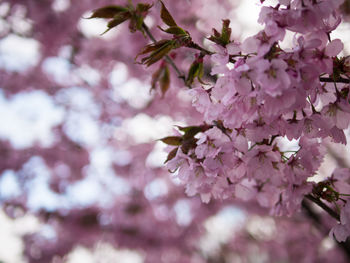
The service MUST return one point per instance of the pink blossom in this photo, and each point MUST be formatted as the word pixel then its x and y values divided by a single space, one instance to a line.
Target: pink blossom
pixel 271 76
pixel 342 231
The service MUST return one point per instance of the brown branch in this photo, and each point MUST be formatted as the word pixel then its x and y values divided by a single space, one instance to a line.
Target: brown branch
pixel 198 47
pixel 345 246
pixel 325 207
pixel 337 80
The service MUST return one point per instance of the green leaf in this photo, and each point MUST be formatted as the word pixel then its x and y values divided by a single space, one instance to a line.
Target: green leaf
pixel 138 17
pixel 139 23
pixel 118 19
pixel 186 129
pixel 172 140
pixel 190 131
pixel 108 11
pixel 171 154
pixel 196 71
pixel 161 76
pixel 216 33
pixel 155 78
pixel 164 81
pixel 136 24
pixel 189 143
pixel 200 74
pixel 224 38
pixel 152 47
pixel 166 17
pixel 174 30
pixel 226 31
pixel 158 54
pixel 141 8
pixel 192 73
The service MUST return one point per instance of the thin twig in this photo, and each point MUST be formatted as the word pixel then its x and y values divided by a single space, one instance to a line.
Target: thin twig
pixel 198 47
pixel 337 80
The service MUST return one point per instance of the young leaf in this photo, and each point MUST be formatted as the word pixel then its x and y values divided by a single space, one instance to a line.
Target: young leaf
pixel 196 71
pixel 190 131
pixel 200 74
pixel 187 128
pixel 136 24
pixel 224 38
pixel 108 11
pixel 161 76
pixel 141 8
pixel 155 78
pixel 164 81
pixel 174 30
pixel 152 47
pixel 216 33
pixel 166 17
pixel 138 17
pixel 118 19
pixel 158 54
pixel 226 31
pixel 192 73
pixel 171 154
pixel 172 140
pixel 188 143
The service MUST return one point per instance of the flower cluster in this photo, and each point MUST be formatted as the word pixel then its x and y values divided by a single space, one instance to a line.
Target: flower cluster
pixel 265 94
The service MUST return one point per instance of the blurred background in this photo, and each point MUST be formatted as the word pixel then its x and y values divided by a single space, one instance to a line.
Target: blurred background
pixel 81 170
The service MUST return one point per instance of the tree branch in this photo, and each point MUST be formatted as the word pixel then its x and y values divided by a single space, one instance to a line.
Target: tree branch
pixel 325 207
pixel 345 246
pixel 337 80
pixel 201 49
